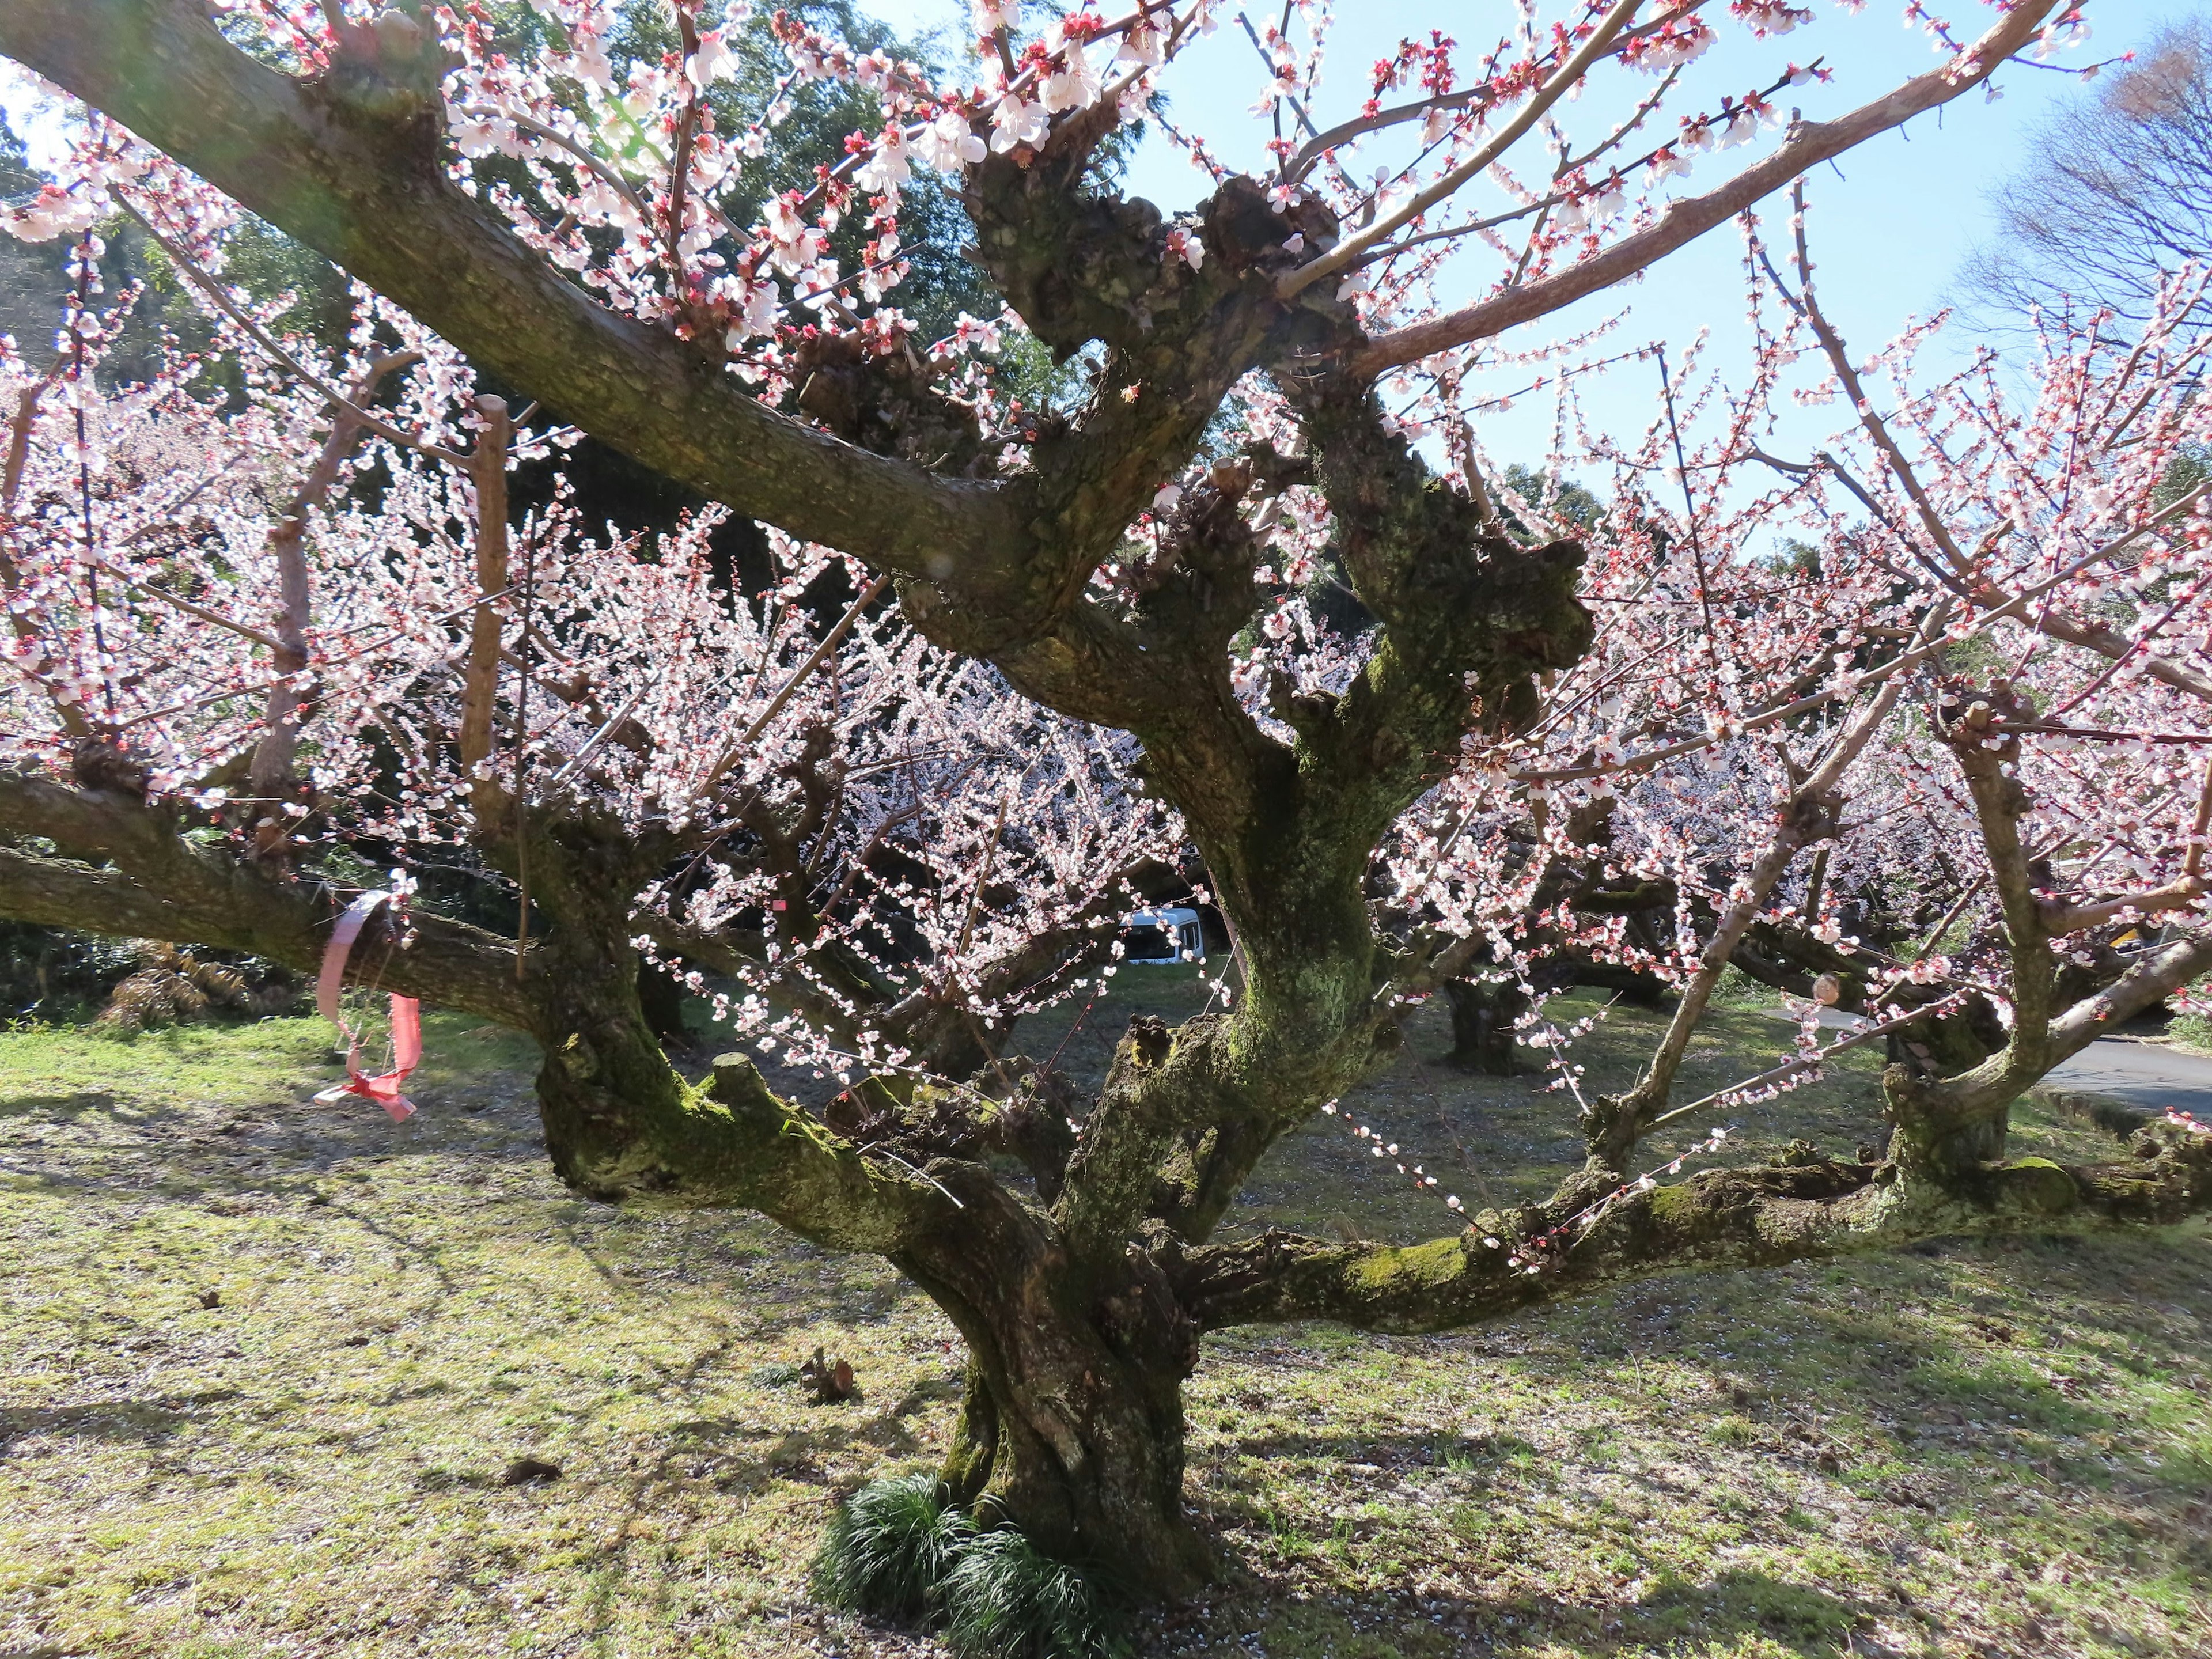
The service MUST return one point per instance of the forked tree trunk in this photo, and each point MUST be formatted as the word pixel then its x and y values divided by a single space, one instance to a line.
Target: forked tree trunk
pixel 1073 1428
pixel 1935 1129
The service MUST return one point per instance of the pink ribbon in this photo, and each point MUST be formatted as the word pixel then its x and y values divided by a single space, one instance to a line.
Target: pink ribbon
pixel 406 1019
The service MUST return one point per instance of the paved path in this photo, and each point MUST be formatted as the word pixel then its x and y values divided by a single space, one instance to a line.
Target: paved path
pixel 2141 1073
pixel 2148 1074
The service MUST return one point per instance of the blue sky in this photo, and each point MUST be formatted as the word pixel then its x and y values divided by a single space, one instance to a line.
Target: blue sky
pixel 1891 221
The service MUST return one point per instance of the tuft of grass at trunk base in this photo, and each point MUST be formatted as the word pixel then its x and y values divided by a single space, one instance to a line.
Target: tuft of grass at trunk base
pixel 1994 1449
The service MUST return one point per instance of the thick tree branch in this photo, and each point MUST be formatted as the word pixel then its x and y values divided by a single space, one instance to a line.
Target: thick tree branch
pixel 619 1123
pixel 161 887
pixel 1286 832
pixel 1960 1119
pixel 366 187
pixel 1755 1218
pixel 2180 894
pixel 733 1145
pixel 2109 642
pixel 2149 981
pixel 1162 1084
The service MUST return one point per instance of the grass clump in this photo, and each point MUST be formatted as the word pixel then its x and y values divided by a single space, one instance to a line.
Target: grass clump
pixel 897 1551
pixel 893 1542
pixel 1004 1599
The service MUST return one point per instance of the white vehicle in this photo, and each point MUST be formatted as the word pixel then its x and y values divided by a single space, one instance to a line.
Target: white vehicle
pixel 1155 938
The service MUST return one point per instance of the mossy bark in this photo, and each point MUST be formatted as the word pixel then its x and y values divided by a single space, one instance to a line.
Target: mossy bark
pixel 1072 1425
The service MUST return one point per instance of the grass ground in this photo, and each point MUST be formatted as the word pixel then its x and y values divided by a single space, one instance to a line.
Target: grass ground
pixel 267 1367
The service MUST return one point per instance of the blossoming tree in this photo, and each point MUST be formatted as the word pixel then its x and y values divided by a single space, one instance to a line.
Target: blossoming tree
pixel 240 628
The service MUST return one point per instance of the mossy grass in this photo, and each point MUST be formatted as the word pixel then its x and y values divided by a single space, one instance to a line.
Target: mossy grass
pixel 1996 1446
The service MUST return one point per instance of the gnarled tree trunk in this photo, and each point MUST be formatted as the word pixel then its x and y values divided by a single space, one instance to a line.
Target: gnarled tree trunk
pixel 1082 1308
pixel 1072 1425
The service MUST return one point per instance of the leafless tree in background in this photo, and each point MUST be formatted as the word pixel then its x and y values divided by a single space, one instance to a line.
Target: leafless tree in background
pixel 2117 190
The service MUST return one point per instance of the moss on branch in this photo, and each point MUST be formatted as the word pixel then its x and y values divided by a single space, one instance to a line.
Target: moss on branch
pixel 124 870
pixel 1759 1216
pixel 734 1144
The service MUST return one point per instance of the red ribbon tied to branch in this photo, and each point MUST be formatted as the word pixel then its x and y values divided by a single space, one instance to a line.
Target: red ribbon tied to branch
pixel 406 1019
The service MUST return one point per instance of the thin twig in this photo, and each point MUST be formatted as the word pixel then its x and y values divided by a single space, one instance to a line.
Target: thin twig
pixel 835 637
pixel 329 393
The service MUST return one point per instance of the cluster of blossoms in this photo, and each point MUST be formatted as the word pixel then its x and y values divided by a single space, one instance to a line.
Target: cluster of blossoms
pixel 636 168
pixel 633 169
pixel 1764 619
pixel 864 833
pixel 1956 553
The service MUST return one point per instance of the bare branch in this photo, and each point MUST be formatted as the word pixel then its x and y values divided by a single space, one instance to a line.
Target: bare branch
pixel 1562 81
pixel 1685 221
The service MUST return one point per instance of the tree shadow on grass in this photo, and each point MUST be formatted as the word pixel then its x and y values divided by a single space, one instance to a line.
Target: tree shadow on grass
pixel 130 1422
pixel 1467 1451
pixel 101 1145
pixel 2042 1381
pixel 1799 1618
pixel 705 1464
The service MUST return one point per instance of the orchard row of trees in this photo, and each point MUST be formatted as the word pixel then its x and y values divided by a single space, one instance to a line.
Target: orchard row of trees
pixel 1129 542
